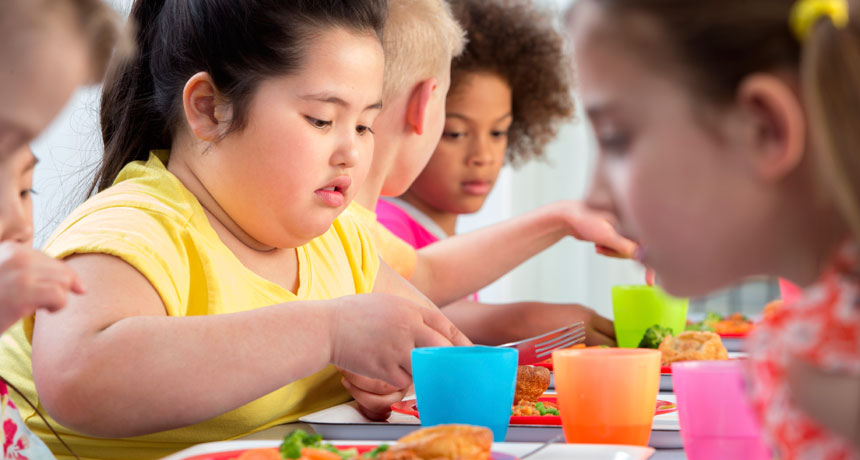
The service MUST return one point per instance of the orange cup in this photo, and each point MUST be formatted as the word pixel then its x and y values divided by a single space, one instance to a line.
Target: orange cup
pixel 607 395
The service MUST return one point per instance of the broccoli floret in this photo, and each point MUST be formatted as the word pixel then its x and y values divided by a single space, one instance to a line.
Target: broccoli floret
pixel 711 318
pixel 298 440
pixel 654 336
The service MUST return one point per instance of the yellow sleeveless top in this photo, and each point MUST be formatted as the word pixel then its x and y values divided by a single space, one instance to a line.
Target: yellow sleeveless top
pixel 152 222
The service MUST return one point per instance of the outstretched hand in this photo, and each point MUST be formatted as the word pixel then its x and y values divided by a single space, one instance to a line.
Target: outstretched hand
pixel 597 227
pixel 32 280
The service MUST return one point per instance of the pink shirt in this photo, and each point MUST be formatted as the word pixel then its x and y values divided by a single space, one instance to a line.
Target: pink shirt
pixel 403 225
pixel 409 224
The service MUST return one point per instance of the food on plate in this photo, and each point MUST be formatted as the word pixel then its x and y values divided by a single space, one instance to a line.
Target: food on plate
pixel 654 336
pixel 736 323
pixel 531 408
pixel 462 442
pixel 443 442
pixel 532 382
pixel 692 346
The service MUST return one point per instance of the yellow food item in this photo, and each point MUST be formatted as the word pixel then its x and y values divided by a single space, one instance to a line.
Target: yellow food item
pixel 692 346
pixel 452 442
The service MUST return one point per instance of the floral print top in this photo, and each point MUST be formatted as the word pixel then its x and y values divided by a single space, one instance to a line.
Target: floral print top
pixel 822 327
pixel 19 443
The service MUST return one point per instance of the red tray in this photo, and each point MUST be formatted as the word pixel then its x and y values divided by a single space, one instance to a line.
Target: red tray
pixel 231 455
pixel 409 407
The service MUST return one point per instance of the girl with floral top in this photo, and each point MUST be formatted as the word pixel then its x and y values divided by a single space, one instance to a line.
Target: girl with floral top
pixel 728 148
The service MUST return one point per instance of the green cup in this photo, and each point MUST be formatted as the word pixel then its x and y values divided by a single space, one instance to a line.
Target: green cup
pixel 637 308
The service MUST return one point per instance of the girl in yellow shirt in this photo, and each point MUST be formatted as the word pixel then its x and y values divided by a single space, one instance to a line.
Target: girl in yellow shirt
pixel 220 278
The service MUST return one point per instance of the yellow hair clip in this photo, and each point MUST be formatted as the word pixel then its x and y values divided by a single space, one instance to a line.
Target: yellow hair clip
pixel 805 13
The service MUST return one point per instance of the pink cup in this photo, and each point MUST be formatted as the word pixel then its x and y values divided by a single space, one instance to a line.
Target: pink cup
pixel 717 420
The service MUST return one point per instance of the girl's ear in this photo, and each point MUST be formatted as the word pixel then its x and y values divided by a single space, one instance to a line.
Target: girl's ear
pixel 419 100
pixel 207 114
pixel 777 127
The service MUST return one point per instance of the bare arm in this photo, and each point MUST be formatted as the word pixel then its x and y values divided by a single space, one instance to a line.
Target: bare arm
pixel 455 267
pixel 150 372
pixel 831 399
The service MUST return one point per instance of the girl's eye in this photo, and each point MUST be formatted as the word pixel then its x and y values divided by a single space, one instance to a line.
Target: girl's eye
pixel 27 193
pixel 499 134
pixel 317 123
pixel 453 134
pixel 614 144
pixel 362 130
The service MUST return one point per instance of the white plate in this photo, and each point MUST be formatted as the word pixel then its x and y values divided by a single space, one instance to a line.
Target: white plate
pixel 555 451
pixel 346 422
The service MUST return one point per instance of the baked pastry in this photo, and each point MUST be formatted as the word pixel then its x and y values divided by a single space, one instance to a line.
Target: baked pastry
pixel 692 346
pixel 448 442
pixel 532 382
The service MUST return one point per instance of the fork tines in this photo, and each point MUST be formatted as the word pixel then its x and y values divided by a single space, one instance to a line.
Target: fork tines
pixel 566 338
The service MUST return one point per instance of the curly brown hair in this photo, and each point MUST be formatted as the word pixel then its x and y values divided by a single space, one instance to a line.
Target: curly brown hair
pixel 518 42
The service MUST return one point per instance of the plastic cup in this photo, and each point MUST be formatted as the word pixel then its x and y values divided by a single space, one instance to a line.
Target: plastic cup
pixel 717 420
pixel 468 385
pixel 636 308
pixel 607 395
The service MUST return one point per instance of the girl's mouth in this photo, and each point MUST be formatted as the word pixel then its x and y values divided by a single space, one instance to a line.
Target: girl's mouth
pixel 477 187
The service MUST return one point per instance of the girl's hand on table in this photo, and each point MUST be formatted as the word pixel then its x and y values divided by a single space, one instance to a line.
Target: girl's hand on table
pixel 31 280
pixel 374 334
pixel 374 397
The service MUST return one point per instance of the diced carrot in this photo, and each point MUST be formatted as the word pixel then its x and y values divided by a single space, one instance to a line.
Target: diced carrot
pixel 309 453
pixel 260 454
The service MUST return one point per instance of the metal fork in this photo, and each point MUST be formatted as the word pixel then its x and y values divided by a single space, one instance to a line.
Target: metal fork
pixel 538 348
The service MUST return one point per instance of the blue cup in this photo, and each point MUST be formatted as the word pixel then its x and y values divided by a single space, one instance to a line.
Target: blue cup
pixel 467 385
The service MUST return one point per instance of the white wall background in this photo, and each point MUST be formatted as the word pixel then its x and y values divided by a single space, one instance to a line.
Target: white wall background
pixel 568 272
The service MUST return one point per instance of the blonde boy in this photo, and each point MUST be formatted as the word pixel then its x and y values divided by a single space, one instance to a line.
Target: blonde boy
pixel 420 39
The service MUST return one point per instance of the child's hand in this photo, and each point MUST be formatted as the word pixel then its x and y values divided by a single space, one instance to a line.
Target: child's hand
pixel 374 397
pixel 30 280
pixel 588 225
pixel 374 334
pixel 538 318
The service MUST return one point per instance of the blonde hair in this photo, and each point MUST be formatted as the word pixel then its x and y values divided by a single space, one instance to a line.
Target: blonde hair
pixel 420 38
pixel 830 74
pixel 98 25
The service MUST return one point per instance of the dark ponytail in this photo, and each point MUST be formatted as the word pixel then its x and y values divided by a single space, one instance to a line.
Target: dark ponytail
pixel 239 43
pixel 130 124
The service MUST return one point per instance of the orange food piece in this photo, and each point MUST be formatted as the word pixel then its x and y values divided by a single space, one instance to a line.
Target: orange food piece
pixel 260 454
pixel 771 308
pixel 309 453
pixel 733 324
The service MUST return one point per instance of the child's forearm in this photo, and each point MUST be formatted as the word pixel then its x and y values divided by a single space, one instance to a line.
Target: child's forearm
pixel 145 374
pixel 832 399
pixel 455 267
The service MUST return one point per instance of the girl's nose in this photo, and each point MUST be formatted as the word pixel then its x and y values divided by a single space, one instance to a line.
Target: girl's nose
pixel 347 153
pixel 480 152
pixel 16 223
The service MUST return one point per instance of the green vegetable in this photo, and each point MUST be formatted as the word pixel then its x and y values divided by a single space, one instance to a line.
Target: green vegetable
pixel 700 326
pixel 543 410
pixel 373 453
pixel 706 324
pixel 297 440
pixel 653 336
